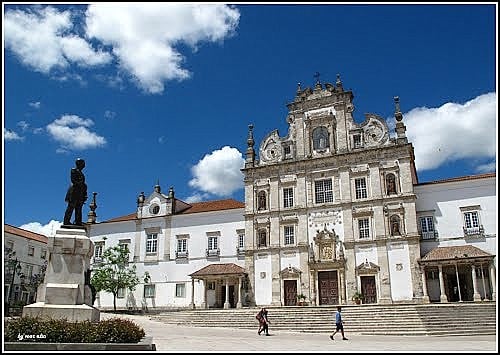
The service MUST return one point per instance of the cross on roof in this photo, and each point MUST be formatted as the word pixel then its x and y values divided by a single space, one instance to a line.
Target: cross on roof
pixel 316 76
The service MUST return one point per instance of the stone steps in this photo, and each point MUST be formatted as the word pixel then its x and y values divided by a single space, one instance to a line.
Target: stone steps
pixel 432 319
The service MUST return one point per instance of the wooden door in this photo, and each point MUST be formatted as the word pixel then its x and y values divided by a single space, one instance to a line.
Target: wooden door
pixel 368 289
pixel 290 287
pixel 328 287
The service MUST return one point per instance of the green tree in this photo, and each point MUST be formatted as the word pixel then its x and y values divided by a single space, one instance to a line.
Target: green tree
pixel 114 273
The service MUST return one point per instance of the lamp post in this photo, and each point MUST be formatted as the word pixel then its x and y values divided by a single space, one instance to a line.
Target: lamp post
pixel 15 265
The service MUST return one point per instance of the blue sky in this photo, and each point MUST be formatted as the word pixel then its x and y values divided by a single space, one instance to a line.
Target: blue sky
pixel 162 92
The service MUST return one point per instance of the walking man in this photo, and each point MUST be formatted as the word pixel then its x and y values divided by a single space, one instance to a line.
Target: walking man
pixel 339 324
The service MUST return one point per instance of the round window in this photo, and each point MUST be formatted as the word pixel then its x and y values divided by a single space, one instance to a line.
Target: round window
pixel 154 209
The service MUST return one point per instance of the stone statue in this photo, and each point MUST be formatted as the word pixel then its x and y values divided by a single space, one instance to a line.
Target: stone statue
pixel 76 195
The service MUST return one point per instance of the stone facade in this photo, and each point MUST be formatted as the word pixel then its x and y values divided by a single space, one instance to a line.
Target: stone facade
pixel 330 207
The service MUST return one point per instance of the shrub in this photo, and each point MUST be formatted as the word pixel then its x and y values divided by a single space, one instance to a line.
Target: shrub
pixel 36 329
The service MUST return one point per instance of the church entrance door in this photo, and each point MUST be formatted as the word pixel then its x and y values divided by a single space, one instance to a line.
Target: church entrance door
pixel 290 287
pixel 368 289
pixel 328 287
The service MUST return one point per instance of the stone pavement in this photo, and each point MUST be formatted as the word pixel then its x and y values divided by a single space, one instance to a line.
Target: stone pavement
pixel 169 338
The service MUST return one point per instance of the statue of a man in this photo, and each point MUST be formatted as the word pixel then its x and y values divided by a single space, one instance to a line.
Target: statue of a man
pixel 76 195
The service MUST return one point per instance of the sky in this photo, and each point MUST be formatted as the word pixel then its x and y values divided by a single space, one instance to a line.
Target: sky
pixel 151 93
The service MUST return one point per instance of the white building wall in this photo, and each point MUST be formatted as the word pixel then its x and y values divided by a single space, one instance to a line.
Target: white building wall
pixel 443 201
pixel 165 271
pixel 400 271
pixel 263 278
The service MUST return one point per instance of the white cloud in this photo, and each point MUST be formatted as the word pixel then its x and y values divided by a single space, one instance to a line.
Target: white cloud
pixel 453 131
pixel 40 37
pixel 47 230
pixel 9 135
pixel 35 105
pixel 109 114
pixel 143 36
pixel 486 168
pixel 72 132
pixel 24 125
pixel 218 173
pixel 197 197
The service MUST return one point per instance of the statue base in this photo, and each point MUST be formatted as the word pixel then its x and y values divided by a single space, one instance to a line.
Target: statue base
pixel 65 292
pixel 70 312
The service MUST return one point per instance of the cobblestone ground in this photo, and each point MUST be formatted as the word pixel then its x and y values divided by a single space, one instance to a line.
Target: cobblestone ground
pixel 169 338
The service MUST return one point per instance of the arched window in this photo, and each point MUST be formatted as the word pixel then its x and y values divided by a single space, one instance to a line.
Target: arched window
pixel 395 224
pixel 321 138
pixel 261 201
pixel 390 183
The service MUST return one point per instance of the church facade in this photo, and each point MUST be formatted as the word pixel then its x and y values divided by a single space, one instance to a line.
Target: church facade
pixel 330 207
pixel 332 210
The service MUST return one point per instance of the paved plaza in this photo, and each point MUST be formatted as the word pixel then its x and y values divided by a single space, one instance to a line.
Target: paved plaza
pixel 169 338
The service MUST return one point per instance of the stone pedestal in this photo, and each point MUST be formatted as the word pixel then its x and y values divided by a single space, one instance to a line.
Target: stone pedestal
pixel 65 292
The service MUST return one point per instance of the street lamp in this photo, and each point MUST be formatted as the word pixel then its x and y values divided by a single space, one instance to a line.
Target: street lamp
pixel 16 268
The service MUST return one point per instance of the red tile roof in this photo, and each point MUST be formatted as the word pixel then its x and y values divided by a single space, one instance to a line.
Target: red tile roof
pixel 455 252
pixel 195 207
pixel 460 178
pixel 219 269
pixel 25 233
pixel 217 205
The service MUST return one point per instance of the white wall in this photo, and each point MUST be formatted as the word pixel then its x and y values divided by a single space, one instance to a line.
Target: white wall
pixel 400 271
pixel 263 286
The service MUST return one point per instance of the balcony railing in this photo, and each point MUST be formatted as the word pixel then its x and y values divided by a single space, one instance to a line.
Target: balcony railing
pixel 213 253
pixel 474 231
pixel 429 235
pixel 240 251
pixel 181 254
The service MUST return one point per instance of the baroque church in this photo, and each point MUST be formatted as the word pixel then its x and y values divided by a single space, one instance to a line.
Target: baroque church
pixel 332 209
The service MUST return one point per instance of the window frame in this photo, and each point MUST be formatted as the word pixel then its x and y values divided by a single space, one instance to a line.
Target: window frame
pixel 361 192
pixel 152 243
pixel 289 234
pixel 288 198
pixel 322 193
pixel 182 288
pixel 362 230
pixel 149 291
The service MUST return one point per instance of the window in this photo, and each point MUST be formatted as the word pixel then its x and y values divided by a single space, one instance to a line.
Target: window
pixel 29 272
pixel 288 197
pixel 181 246
pixel 10 246
pixel 289 235
pixel 427 227
pixel 286 150
pixel 151 243
pixel 357 140
pixel 241 239
pixel 120 293
pixel 262 201
pixel 390 181
pixel 360 186
pixel 262 238
pixel 321 139
pixel 211 285
pixel 43 254
pixel 180 290
pixel 98 249
pixel 212 243
pixel 31 250
pixel 323 191
pixel 124 245
pixel 154 209
pixel 471 219
pixel 149 291
pixel 364 228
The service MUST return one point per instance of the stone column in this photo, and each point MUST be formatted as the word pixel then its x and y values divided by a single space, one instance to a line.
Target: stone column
pixel 385 281
pixel 192 294
pixel 204 304
pixel 458 283
pixel 442 296
pixel 482 281
pixel 341 282
pixel 313 287
pixel 424 286
pixel 238 304
pixel 477 296
pixel 492 281
pixel 226 302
